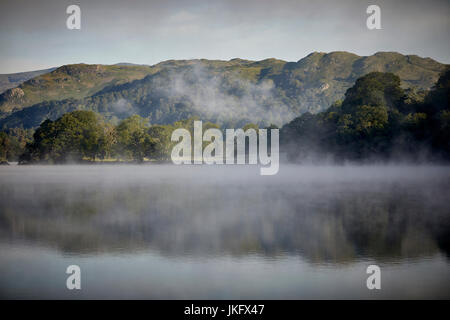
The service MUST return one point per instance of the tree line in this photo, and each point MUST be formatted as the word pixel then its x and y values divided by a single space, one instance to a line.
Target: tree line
pixel 377 120
pixel 13 142
pixel 85 136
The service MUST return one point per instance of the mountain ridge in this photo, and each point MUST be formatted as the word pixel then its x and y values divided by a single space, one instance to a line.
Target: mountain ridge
pixel 278 89
pixel 12 80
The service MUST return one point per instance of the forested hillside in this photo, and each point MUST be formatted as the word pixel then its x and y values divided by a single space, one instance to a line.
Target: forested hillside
pixel 230 93
pixel 377 120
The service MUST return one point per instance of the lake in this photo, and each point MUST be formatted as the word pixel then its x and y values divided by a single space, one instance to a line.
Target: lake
pixel 224 232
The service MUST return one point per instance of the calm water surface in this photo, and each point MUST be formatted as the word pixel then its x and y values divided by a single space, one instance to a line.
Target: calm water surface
pixel 200 232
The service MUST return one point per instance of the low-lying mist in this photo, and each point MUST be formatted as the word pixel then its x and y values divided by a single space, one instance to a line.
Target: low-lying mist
pixel 325 214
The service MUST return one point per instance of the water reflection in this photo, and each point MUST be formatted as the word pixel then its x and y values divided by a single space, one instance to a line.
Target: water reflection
pixel 323 214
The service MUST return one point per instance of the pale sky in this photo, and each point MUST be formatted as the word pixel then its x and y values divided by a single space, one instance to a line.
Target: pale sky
pixel 33 34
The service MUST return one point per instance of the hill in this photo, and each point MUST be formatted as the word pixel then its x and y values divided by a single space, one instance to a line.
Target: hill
pixel 12 80
pixel 70 81
pixel 377 121
pixel 227 92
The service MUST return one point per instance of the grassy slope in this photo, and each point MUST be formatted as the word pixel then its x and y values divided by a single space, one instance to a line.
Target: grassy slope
pixel 311 84
pixel 71 81
pixel 12 80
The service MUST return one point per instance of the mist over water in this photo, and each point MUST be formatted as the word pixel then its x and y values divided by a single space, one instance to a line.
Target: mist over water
pixel 165 231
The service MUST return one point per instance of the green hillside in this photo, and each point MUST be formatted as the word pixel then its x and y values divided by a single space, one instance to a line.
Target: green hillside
pixel 377 120
pixel 227 92
pixel 12 80
pixel 70 81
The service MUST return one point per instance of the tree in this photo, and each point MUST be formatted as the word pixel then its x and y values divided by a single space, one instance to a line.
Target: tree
pixel 4 146
pixel 107 140
pixel 161 144
pixel 376 118
pixel 78 135
pixel 73 136
pixel 370 120
pixel 133 140
pixel 13 142
pixel 439 97
pixel 374 89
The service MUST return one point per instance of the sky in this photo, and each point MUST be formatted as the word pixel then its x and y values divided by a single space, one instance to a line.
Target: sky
pixel 33 34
